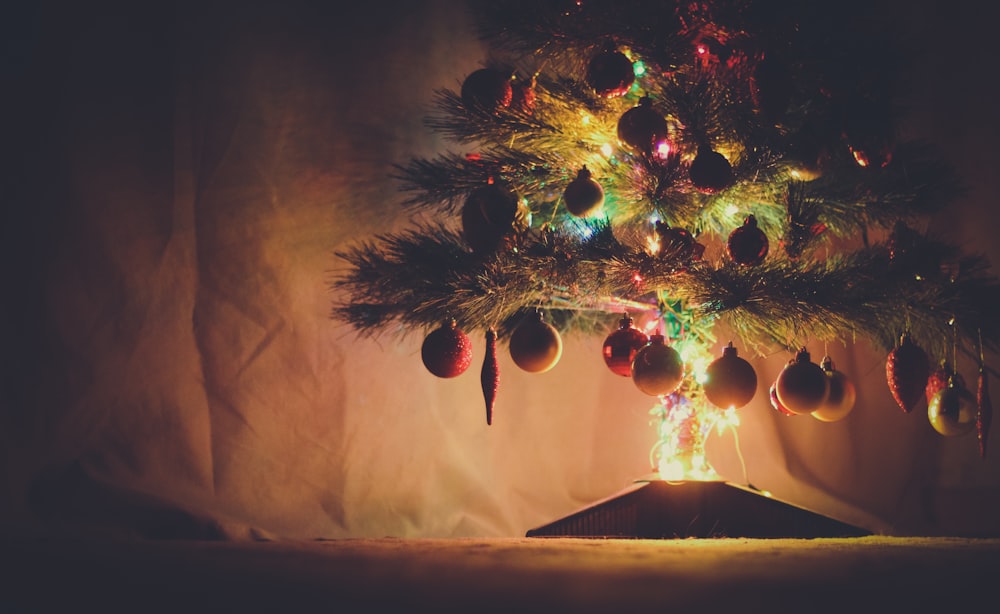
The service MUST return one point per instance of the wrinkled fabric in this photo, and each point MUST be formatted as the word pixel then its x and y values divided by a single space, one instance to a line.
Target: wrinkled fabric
pixel 177 180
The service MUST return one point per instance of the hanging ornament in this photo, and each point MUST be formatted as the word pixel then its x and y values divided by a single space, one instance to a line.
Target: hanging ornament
pixel 641 128
pixel 867 131
pixel 535 345
pixel 657 368
pixel 486 90
pixel 583 196
pixel 952 411
pixel 447 351
pixel 776 404
pixel 678 245
pixel 907 369
pixel 984 413
pixel 610 73
pixel 842 396
pixel 710 171
pixel 731 381
pixel 937 380
pixel 747 244
pixel 491 215
pixel 802 386
pixel 621 346
pixel 808 152
pixel 489 377
pixel 523 97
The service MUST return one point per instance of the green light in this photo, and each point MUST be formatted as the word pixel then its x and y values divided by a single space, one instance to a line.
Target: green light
pixel 638 68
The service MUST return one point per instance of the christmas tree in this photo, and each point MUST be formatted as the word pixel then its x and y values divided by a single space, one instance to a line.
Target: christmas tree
pixel 656 175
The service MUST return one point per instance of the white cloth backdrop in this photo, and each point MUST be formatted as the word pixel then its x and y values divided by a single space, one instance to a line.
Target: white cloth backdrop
pixel 178 177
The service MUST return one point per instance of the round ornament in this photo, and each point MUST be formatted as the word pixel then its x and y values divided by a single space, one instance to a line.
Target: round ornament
pixel 842 396
pixel 490 216
pixel 621 346
pixel 447 351
pixel 802 386
pixel 776 404
pixel 583 196
pixel 610 73
pixel 731 382
pixel 535 345
pixel 523 97
pixel 952 411
pixel 657 368
pixel 678 244
pixel 486 90
pixel 747 244
pixel 710 171
pixel 641 128
pixel 867 131
pixel 907 369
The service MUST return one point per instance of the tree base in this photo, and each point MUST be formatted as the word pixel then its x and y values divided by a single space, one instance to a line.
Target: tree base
pixel 670 510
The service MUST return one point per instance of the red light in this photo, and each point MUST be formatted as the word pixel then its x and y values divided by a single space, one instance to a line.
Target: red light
pixel 702 49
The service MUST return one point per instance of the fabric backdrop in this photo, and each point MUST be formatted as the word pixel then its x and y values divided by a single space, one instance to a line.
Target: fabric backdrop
pixel 176 180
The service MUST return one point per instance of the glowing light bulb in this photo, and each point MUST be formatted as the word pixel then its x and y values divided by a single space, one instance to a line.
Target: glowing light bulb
pixel 701 49
pixel 585 118
pixel 663 150
pixel 607 150
pixel 731 210
pixel 638 68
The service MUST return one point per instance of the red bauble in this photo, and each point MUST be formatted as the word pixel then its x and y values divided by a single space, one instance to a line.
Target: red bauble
pixel 447 351
pixel 907 369
pixel 621 346
pixel 984 414
pixel 523 97
pixel 486 90
pixel 657 368
pixel 776 404
pixel 610 73
pixel 748 244
pixel 489 377
pixel 641 128
pixel 490 216
pixel 710 171
pixel 535 345
pixel 802 386
pixel 842 396
pixel 937 380
pixel 583 196
pixel 678 245
pixel 731 382
pixel 952 411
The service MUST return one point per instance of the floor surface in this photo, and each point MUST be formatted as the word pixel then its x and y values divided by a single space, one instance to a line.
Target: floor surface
pixel 868 574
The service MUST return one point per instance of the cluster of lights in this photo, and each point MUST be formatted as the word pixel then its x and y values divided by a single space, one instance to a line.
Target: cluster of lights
pixel 684 429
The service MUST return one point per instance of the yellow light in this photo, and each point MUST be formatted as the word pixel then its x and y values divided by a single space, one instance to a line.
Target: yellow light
pixel 731 210
pixel 584 118
pixel 607 150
